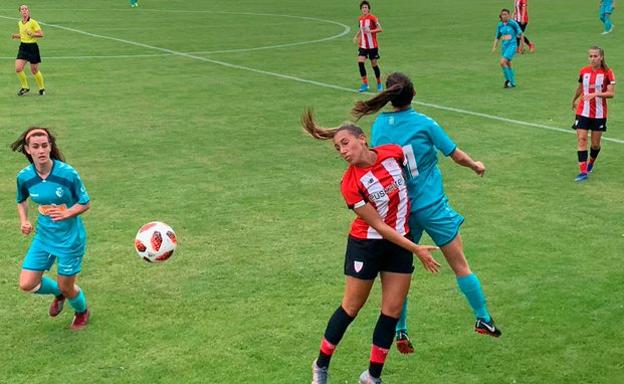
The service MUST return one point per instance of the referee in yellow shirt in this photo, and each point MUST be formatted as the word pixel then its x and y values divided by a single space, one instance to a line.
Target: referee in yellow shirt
pixel 29 32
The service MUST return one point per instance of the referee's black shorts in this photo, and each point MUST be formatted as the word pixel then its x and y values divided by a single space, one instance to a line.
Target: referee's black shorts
pixel 365 258
pixel 29 52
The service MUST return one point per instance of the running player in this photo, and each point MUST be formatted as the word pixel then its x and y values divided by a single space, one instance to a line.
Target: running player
pixel 366 38
pixel 596 85
pixel 60 235
pixel 606 9
pixel 507 30
pixel 521 16
pixel 378 244
pixel 29 32
pixel 421 137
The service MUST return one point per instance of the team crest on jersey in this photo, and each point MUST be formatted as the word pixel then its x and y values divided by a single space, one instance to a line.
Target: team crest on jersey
pixel 59 192
pixel 358 265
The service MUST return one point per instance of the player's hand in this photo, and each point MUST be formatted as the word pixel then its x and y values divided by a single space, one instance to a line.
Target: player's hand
pixel 479 168
pixel 58 214
pixel 26 227
pixel 423 252
pixel 15 36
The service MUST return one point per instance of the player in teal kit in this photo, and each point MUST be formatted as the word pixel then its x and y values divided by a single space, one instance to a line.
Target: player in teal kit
pixel 606 9
pixel 509 32
pixel 421 137
pixel 61 197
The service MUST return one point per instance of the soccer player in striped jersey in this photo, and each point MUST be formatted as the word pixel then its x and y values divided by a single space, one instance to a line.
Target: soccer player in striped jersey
pixel 606 9
pixel 29 32
pixel 378 243
pixel 366 38
pixel 521 16
pixel 596 85
pixel 60 235
pixel 421 138
pixel 508 31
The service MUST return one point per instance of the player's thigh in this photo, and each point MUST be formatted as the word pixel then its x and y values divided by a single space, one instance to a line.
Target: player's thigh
pixel 29 279
pixel 355 294
pixel 19 65
pixel 394 289
pixel 34 68
pixel 596 136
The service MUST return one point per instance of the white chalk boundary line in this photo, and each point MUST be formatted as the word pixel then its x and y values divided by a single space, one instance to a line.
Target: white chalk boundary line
pixel 313 82
pixel 345 30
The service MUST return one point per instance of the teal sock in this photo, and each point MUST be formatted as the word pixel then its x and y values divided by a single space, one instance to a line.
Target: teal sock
pixel 48 286
pixel 79 302
pixel 512 76
pixel 607 23
pixel 471 288
pixel 402 324
pixel 506 73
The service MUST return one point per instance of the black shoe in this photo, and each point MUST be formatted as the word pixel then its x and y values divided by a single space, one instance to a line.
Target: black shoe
pixel 487 328
pixel 506 84
pixel 23 91
pixel 42 92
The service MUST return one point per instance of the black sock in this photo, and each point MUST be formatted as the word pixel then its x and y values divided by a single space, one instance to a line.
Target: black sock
pixel 382 341
pixel 336 328
pixel 362 69
pixel 582 156
pixel 593 154
pixel 377 72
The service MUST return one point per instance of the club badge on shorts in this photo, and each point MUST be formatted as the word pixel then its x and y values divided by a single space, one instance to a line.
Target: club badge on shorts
pixel 357 265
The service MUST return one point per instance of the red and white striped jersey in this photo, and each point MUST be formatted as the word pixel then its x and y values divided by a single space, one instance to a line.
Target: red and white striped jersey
pixel 521 12
pixel 594 81
pixel 368 40
pixel 383 186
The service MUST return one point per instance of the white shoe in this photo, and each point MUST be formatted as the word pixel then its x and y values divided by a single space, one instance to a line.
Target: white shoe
pixel 319 375
pixel 366 378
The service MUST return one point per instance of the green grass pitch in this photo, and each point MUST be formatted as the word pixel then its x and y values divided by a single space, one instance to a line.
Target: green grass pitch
pixel 187 112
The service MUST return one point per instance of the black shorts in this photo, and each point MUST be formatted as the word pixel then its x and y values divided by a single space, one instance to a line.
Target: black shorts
pixel 523 26
pixel 589 124
pixel 29 52
pixel 365 258
pixel 372 53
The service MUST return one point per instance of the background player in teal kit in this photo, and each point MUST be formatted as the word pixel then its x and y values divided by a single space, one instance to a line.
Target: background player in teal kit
pixel 134 3
pixel 60 235
pixel 420 136
pixel 509 32
pixel 606 9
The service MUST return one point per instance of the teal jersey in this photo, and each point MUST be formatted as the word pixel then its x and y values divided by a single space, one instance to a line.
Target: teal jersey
pixel 63 187
pixel 512 28
pixel 420 137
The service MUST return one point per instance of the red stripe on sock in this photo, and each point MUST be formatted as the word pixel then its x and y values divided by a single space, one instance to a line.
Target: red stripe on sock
pixel 378 355
pixel 583 167
pixel 327 347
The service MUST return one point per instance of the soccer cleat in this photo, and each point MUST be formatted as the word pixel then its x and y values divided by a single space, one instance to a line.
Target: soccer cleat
pixel 23 91
pixel 581 177
pixel 506 84
pixel 379 87
pixel 42 92
pixel 319 375
pixel 366 378
pixel 80 320
pixel 609 31
pixel 57 305
pixel 403 343
pixel 487 328
pixel 531 47
pixel 363 88
pixel 590 167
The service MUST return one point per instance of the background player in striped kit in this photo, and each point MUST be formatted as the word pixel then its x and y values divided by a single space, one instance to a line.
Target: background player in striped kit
pixel 60 234
pixel 521 16
pixel 596 85
pixel 421 138
pixel 366 38
pixel 374 187
pixel 508 30
pixel 606 9
pixel 29 32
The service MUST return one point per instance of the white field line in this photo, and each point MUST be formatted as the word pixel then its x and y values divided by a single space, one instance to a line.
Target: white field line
pixel 313 82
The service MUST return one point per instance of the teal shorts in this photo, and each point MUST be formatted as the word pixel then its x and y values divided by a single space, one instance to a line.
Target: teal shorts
pixel 509 51
pixel 606 9
pixel 440 221
pixel 38 259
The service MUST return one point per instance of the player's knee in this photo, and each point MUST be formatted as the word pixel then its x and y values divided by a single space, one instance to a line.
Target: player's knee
pixel 352 309
pixel 29 286
pixel 392 309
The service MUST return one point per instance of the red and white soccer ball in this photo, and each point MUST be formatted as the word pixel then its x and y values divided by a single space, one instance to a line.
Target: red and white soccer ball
pixel 155 242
